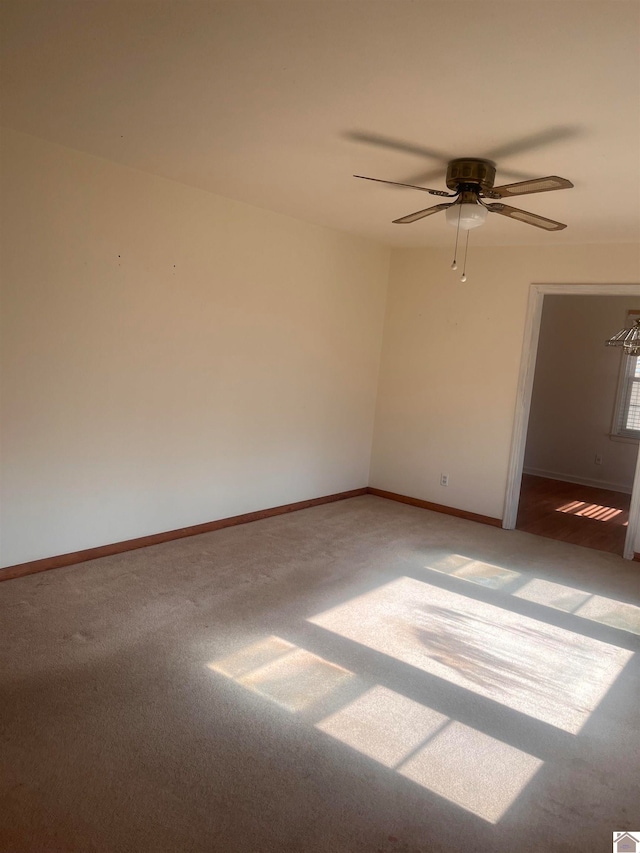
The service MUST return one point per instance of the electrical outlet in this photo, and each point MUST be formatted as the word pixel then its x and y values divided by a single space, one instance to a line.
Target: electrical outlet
pixel 444 479
pixel 598 459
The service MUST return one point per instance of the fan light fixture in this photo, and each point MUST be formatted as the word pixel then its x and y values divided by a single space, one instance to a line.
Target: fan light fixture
pixel 468 216
pixel 465 213
pixel 628 339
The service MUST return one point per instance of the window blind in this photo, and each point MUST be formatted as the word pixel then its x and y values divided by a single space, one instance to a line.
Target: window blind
pixel 627 415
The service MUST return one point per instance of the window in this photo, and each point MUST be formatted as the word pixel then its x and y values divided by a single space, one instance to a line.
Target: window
pixel 626 420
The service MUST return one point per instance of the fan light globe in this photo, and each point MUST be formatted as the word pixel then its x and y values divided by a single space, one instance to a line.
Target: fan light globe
pixel 471 215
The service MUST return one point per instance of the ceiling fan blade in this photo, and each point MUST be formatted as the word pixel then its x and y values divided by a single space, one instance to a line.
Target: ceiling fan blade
pixel 537 185
pixel 534 140
pixel 395 144
pixel 525 216
pixel 411 186
pixel 423 177
pixel 420 214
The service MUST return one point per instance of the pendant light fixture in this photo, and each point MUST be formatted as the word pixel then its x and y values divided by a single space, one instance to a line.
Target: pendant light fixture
pixel 466 213
pixel 628 339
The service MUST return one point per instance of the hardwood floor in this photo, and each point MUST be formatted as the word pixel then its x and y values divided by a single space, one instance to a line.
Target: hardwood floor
pixel 583 515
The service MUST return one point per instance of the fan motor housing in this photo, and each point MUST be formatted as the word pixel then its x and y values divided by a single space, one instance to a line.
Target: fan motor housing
pixel 465 170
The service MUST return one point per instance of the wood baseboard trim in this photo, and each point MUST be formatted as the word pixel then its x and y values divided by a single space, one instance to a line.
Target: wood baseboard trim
pixel 606 485
pixel 447 510
pixel 44 565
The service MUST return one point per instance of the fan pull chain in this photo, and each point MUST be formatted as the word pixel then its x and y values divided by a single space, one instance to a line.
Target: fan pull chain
pixel 463 277
pixel 454 264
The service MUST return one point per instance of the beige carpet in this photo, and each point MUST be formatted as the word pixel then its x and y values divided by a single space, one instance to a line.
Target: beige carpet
pixel 361 676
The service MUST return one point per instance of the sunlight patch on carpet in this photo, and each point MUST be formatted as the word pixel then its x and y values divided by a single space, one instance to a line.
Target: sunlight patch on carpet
pixel 554 675
pixel 461 764
pixel 384 725
pixel 473 770
pixel 618 614
pixel 597 608
pixel 465 766
pixel 288 675
pixel 476 571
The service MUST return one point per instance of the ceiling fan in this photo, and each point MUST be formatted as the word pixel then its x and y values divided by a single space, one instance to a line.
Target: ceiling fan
pixel 471 181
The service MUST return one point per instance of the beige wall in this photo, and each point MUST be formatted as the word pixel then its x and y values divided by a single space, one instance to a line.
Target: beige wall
pixel 451 359
pixel 574 393
pixel 171 357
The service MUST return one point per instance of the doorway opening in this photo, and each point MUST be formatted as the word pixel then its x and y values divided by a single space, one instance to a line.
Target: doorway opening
pixel 571 476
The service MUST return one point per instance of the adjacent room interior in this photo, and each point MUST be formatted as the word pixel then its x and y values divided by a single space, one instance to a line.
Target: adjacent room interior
pixel 582 447
pixel 260 591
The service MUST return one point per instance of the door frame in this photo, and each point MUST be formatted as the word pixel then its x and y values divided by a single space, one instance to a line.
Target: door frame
pixel 537 293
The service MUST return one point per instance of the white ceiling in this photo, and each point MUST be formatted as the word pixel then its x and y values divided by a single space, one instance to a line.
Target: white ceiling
pixel 272 103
